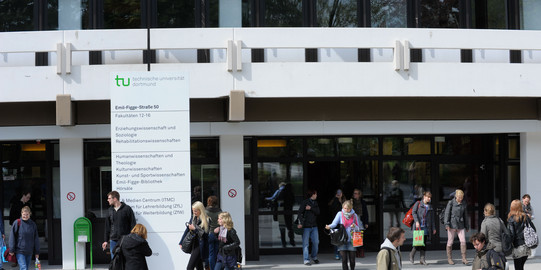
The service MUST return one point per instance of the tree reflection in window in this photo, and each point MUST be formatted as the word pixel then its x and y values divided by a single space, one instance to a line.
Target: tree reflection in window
pixel 388 13
pixel 337 13
pixel 439 14
pixel 283 13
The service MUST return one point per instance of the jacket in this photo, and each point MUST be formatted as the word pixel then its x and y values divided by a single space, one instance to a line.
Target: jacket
pixel 201 237
pixel 24 238
pixel 213 213
pixel 361 210
pixel 517 230
pixel 488 259
pixel 228 248
pixel 382 260
pixel 424 213
pixel 135 249
pixel 119 222
pixel 491 228
pixel 308 218
pixel 456 215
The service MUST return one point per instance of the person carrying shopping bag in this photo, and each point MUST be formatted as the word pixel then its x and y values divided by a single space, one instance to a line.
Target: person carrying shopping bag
pixel 423 216
pixel 347 218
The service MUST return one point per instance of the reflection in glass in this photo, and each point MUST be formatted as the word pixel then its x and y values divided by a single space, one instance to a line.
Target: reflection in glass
pixel 388 13
pixel 175 14
pixel 204 182
pixel 514 149
pixel 457 145
pixel 122 14
pixel 393 146
pixel 279 147
pixel 320 147
pixel 283 13
pixel 439 14
pixel 337 13
pixel 417 145
pixel 496 14
pixel 16 15
pixel 529 14
pixel 355 146
pixel 280 192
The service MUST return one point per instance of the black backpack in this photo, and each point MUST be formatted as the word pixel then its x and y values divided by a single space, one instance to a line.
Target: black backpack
pixel 506 238
pixel 118 261
pixel 442 213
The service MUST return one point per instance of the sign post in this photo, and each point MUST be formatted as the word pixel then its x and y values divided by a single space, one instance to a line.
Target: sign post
pixel 150 152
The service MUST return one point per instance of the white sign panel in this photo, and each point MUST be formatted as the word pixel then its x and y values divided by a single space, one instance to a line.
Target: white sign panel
pixel 150 148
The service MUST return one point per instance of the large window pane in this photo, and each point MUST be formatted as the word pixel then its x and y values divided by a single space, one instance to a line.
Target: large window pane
pixel 357 146
pixel 16 15
pixel 529 14
pixel 122 14
pixel 439 14
pixel 283 13
pixel 321 147
pixel 279 147
pixel 457 145
pixel 175 14
pixel 337 13
pixel 388 13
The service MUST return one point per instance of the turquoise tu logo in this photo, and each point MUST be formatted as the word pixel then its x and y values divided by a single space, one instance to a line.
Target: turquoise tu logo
pixel 117 79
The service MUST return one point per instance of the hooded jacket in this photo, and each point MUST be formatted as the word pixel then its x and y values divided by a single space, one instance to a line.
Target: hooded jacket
pixel 119 222
pixel 491 228
pixel 135 249
pixel 213 213
pixel 488 259
pixel 382 261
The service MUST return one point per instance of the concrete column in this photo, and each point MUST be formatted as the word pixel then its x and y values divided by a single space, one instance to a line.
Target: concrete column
pixel 232 181
pixel 530 171
pixel 72 182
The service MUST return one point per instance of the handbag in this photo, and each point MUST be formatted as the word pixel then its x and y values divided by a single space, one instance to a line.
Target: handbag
pixel 408 219
pixel 187 242
pixel 296 228
pixel 9 257
pixel 418 238
pixel 339 235
pixel 357 238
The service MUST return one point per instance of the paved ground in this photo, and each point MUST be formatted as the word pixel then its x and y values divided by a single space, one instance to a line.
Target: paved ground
pixel 436 260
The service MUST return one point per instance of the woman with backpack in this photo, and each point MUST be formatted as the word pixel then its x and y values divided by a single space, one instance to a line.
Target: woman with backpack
pixel 517 222
pixel 349 220
pixel 228 243
pixel 491 227
pixel 423 216
pixel 456 222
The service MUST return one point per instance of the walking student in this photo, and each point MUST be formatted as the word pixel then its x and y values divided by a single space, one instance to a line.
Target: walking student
pixel 119 222
pixel 198 224
pixel 423 216
pixel 527 206
pixel 349 219
pixel 213 210
pixel 486 258
pixel 135 248
pixel 389 256
pixel 491 227
pixel 24 240
pixel 229 243
pixel 308 212
pixel 516 222
pixel 456 222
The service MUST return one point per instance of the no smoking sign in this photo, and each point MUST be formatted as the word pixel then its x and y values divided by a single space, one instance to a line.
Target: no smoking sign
pixel 232 193
pixel 70 196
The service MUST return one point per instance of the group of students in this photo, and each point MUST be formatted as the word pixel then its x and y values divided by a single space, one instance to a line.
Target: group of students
pixel 487 242
pixel 216 241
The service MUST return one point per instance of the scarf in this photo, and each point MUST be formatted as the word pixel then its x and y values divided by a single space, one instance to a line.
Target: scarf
pixel 222 236
pixel 347 220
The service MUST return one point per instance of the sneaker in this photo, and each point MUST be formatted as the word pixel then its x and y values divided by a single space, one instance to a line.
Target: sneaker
pixel 336 257
pixel 316 261
pixel 307 263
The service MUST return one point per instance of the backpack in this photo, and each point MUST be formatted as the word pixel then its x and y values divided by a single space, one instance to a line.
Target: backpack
pixel 530 236
pixel 506 238
pixel 390 264
pixel 442 213
pixel 496 260
pixel 118 261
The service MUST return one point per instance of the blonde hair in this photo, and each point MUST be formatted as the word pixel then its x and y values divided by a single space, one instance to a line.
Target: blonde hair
pixel 26 209
pixel 490 209
pixel 459 192
pixel 515 211
pixel 140 230
pixel 202 216
pixel 348 204
pixel 227 221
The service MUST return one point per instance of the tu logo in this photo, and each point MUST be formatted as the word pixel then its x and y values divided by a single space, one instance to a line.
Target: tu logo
pixel 117 79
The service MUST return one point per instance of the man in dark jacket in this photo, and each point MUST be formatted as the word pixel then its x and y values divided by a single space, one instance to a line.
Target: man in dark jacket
pixel 308 212
pixel 119 222
pixel 486 259
pixel 360 208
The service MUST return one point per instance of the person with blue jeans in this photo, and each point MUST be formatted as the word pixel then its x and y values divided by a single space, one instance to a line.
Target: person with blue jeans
pixel 308 212
pixel 24 240
pixel 119 222
pixel 213 210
